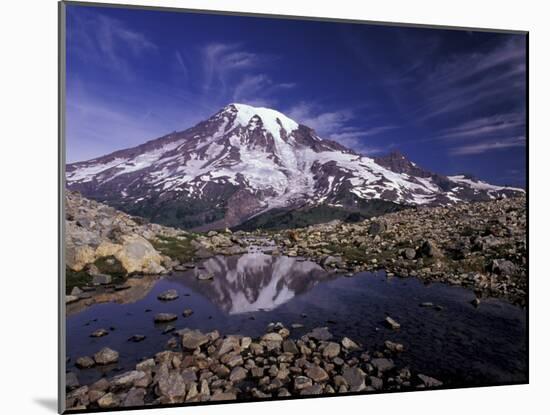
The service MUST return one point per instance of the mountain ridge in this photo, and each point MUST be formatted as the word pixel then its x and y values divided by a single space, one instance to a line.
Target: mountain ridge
pixel 244 161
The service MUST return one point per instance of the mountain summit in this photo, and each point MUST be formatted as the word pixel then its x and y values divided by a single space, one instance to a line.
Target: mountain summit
pixel 247 160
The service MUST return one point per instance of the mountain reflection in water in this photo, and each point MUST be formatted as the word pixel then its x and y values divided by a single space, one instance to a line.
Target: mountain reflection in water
pixel 254 281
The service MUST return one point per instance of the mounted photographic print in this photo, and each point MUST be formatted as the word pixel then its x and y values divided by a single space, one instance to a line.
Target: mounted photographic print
pixel 259 207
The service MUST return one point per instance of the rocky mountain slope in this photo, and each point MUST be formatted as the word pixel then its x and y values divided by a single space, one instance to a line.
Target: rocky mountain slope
pixel 244 161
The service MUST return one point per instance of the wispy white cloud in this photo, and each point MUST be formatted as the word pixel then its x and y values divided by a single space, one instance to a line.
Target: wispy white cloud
pixel 467 80
pixel 484 147
pixel 339 126
pixel 485 126
pixel 108 42
pixel 182 66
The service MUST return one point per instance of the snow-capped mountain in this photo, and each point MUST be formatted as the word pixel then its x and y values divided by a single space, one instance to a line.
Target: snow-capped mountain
pixel 243 161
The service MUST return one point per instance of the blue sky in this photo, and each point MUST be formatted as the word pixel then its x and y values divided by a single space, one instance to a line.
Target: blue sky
pixel 452 101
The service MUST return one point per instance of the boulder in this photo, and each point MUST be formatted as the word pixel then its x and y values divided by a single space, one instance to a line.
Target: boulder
pixel 193 339
pixel 106 356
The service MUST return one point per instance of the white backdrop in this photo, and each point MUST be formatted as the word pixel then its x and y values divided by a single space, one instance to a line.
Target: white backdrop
pixel 28 126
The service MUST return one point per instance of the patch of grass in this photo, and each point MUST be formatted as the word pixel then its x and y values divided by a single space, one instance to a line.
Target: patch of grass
pixel 175 248
pixel 76 279
pixel 106 265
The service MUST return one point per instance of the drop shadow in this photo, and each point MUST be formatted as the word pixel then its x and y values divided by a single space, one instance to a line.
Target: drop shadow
pixel 48 403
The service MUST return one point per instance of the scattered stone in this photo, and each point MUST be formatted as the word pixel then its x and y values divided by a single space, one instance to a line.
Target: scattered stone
pixel 289 346
pixel 376 228
pixel 84 362
pixel 168 295
pixel 205 276
pixel 301 382
pixel 100 333
pixel 315 389
pixel 136 338
pixel 238 374
pixel 320 333
pixel 382 364
pixel 409 253
pixel 69 299
pixel 272 337
pixel 106 356
pixel 102 279
pixel 135 397
pixel 331 350
pixel 349 344
pixel 187 312
pixel 193 339
pixel 394 347
pixel 317 374
pixel 165 317
pixel 108 400
pixel 76 291
pixel 71 381
pixel 355 378
pixel 394 325
pixel 223 396
pixel 430 382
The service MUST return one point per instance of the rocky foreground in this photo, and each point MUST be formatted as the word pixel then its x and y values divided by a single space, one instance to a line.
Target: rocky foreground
pixel 210 367
pixel 481 246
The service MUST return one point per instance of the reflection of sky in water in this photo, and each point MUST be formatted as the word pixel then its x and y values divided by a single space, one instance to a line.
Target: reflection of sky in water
pixel 464 344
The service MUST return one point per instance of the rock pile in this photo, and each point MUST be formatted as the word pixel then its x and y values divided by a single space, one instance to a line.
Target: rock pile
pixel 209 367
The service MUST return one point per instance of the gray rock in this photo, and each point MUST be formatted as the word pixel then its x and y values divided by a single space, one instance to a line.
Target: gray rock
pixel 349 344
pixel 193 339
pixel 238 374
pixel 394 325
pixel 272 337
pixel 135 397
pixel 106 356
pixel 376 228
pixel 382 364
pixel 187 312
pixel 430 382
pixel 205 276
pixel 71 381
pixel 171 386
pixel 168 295
pixel 127 379
pixel 409 253
pixel 102 279
pixel 503 267
pixel 223 396
pixel 71 299
pixel 84 362
pixel 109 400
pixel 394 347
pixel 290 347
pixel 320 333
pixel 317 374
pixel 165 317
pixel 76 291
pixel 301 382
pixel 331 350
pixel 315 389
pixel 100 333
pixel 355 378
